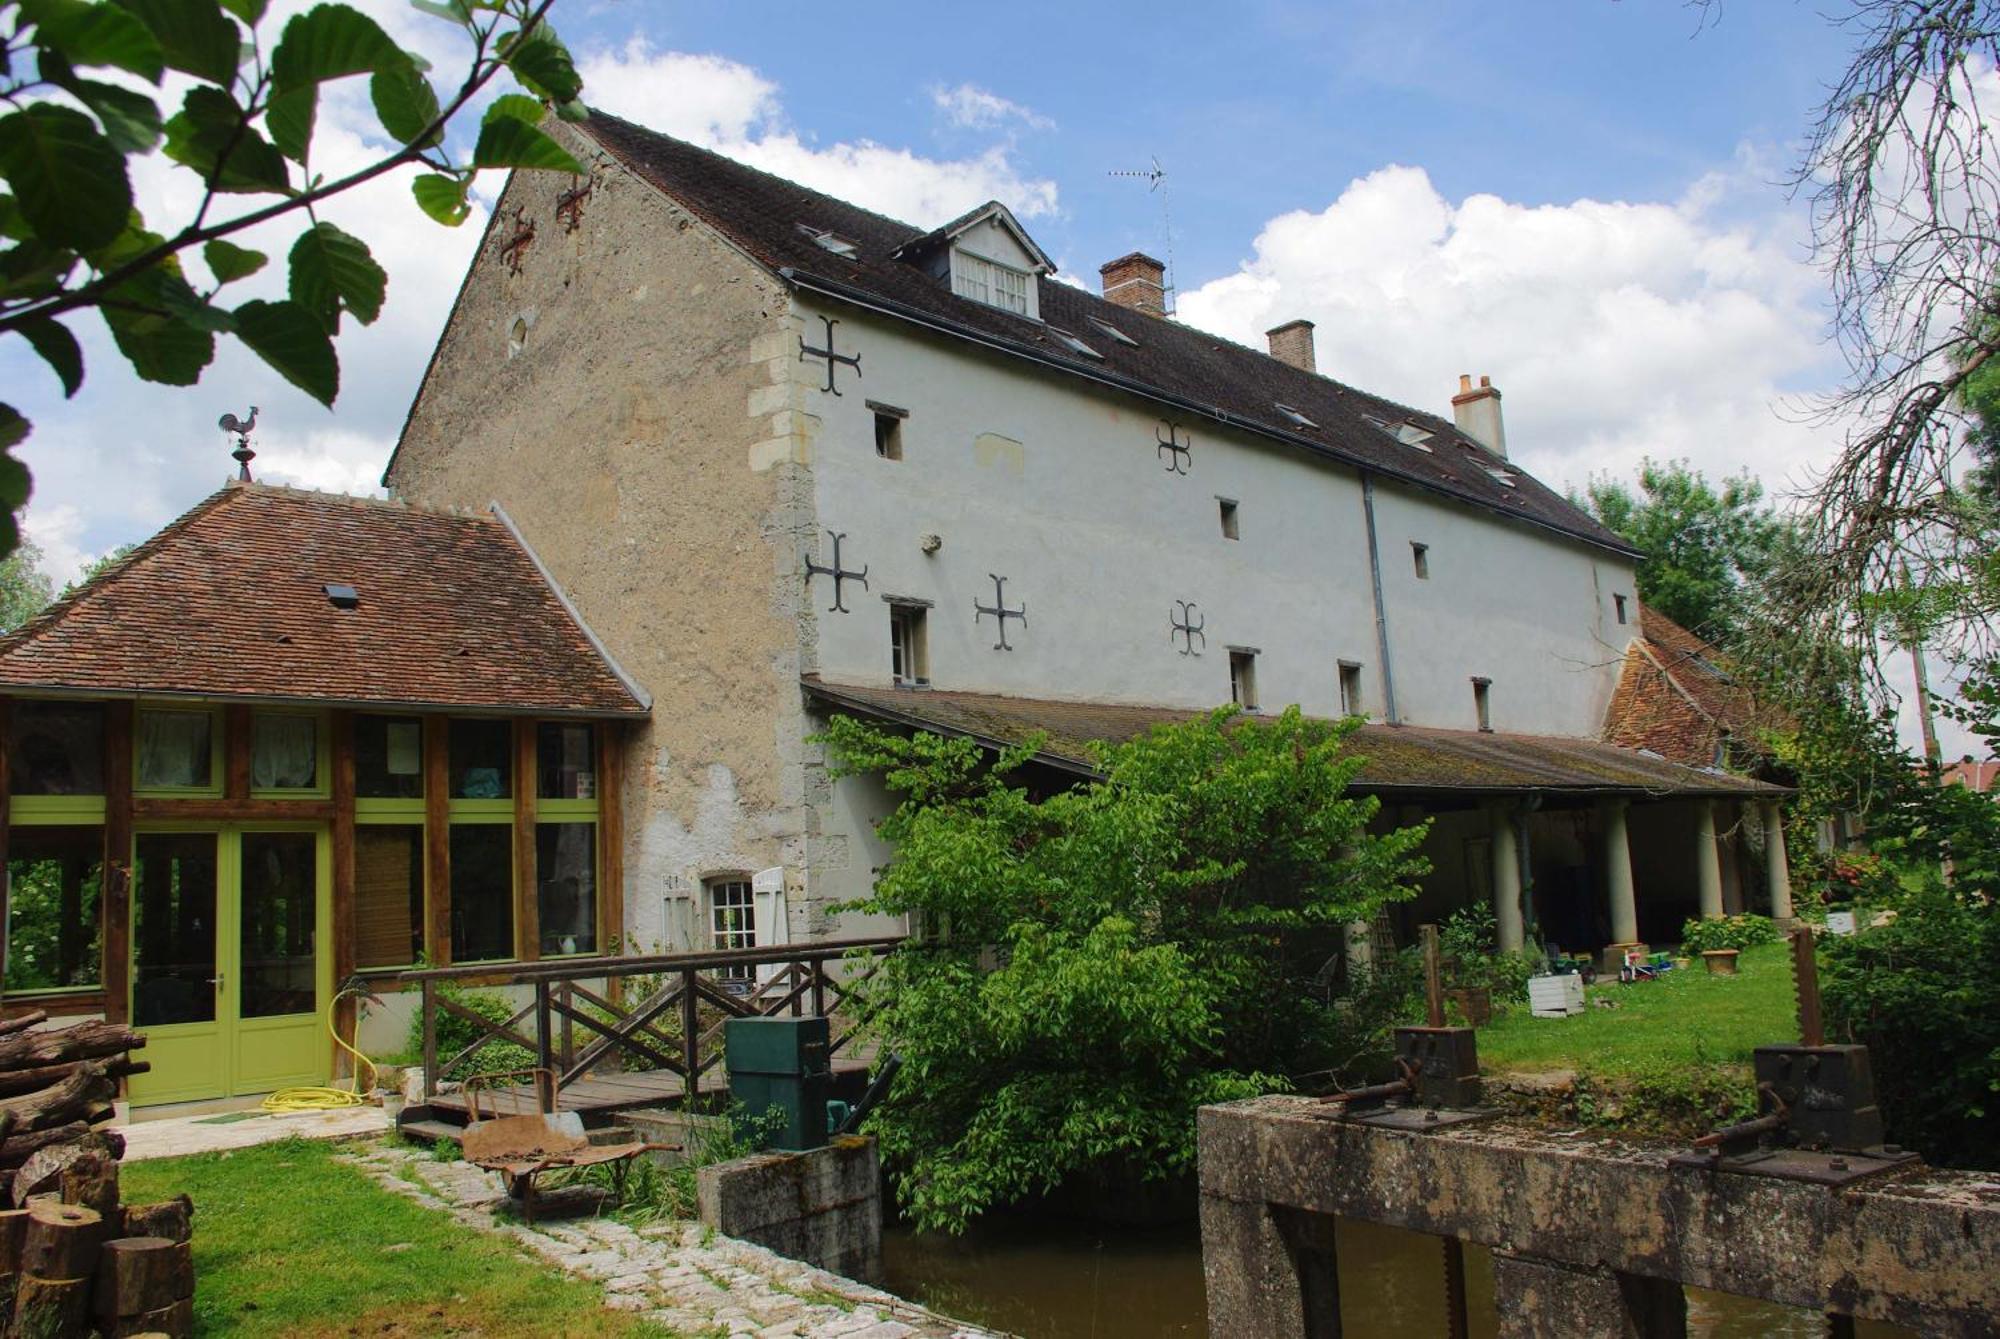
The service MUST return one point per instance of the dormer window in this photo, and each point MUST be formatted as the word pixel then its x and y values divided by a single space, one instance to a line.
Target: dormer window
pixel 829 241
pixel 990 282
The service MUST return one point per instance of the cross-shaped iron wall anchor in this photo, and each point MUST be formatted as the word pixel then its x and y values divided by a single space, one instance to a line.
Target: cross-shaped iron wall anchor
pixel 806 351
pixel 1174 447
pixel 1186 628
pixel 837 572
pixel 1000 611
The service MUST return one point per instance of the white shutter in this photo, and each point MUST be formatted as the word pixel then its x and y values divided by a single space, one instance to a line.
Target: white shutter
pixel 767 900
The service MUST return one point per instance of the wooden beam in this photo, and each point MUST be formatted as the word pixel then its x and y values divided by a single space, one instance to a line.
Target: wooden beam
pixel 236 751
pixel 527 903
pixel 342 836
pixel 115 889
pixel 437 839
pixel 6 801
pixel 232 811
pixel 610 837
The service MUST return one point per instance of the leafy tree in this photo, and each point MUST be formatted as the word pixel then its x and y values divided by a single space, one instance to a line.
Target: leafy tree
pixel 1701 546
pixel 1108 957
pixel 24 587
pixel 73 240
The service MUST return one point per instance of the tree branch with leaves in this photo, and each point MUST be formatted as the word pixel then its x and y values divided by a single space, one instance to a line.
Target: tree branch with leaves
pixel 80 87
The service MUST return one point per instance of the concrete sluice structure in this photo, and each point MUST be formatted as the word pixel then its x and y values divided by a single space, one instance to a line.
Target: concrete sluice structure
pixel 1590 1236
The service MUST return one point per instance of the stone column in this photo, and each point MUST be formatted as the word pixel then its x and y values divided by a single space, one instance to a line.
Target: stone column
pixel 1618 875
pixel 1266 1277
pixel 1707 861
pixel 1777 871
pixel 1534 1297
pixel 1506 880
pixel 1360 945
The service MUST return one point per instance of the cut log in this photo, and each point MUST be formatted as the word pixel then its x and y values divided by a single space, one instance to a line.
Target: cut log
pixel 85 1041
pixel 45 1166
pixel 92 1181
pixel 9 1285
pixel 87 1087
pixel 169 1322
pixel 50 1308
pixel 62 1241
pixel 13 1229
pixel 15 1151
pixel 172 1219
pixel 141 1274
pixel 14 1081
pixel 22 1022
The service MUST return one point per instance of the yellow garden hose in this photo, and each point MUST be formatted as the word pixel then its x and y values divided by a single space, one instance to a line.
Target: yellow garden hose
pixel 287 1100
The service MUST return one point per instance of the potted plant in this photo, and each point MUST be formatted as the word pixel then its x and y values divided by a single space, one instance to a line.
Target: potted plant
pixel 1719 961
pixel 1466 946
pixel 1721 939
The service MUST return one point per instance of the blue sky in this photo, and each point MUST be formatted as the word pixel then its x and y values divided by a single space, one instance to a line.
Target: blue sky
pixel 1583 200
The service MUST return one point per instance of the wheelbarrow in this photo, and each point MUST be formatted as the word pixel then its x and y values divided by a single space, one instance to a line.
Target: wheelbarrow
pixel 522 1147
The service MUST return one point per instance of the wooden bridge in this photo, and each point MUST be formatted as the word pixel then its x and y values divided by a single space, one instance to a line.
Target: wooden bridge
pixel 609 1052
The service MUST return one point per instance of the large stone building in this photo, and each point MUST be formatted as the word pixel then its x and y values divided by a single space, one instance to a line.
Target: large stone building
pixel 776 456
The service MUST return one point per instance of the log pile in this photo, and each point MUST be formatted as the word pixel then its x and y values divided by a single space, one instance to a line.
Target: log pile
pixel 74 1261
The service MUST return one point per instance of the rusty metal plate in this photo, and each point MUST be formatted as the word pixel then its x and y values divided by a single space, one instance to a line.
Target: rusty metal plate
pixel 1422 1120
pixel 1796 1164
pixel 513 1139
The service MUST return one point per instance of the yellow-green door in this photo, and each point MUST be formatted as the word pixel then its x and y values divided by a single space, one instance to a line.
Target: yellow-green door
pixel 229 969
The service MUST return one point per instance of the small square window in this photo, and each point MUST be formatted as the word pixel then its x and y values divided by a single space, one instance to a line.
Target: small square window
pixel 1243 679
pixel 888 437
pixel 1350 689
pixel 284 751
pixel 482 759
pixel 909 650
pixel 1618 603
pixel 176 750
pixel 1230 528
pixel 565 758
pixel 57 748
pixel 1420 554
pixel 388 757
pixel 1482 702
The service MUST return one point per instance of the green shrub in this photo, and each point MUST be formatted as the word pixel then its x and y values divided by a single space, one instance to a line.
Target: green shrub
pixel 454 1034
pixel 1465 942
pixel 1738 932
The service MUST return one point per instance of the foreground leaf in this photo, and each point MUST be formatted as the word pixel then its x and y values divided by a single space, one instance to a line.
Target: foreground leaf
pixel 13 428
pixel 131 121
pixel 442 197
pixel 331 42
pixel 291 340
pixel 59 350
pixel 544 65
pixel 210 135
pixel 229 262
pixel 331 272
pixel 506 142
pixel 406 104
pixel 100 34
pixel 517 105
pixel 197 38
pixel 289 117
pixel 68 180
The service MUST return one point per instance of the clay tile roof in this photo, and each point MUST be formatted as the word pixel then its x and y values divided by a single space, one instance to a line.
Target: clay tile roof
pixel 1400 758
pixel 1677 697
pixel 230 600
pixel 1982 778
pixel 1200 372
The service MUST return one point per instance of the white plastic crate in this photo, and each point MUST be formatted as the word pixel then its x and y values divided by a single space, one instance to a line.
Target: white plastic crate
pixel 1555 996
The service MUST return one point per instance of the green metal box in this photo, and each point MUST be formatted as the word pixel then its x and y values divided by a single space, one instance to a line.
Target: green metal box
pixel 782 1063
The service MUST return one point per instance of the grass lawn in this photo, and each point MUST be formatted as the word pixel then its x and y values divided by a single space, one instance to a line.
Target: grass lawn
pixel 1683 1018
pixel 289 1240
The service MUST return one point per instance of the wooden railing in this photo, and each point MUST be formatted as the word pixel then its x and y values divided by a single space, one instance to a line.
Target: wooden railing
pixel 563 1010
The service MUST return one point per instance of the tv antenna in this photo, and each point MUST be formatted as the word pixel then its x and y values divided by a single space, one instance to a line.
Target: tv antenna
pixel 242 427
pixel 1155 178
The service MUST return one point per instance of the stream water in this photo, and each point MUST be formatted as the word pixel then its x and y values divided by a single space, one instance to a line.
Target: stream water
pixel 1047 1279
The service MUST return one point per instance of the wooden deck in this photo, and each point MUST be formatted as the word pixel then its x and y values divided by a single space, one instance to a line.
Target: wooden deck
pixel 608 1094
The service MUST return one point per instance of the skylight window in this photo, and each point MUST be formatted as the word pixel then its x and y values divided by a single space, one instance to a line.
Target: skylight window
pixel 1501 477
pixel 1409 434
pixel 1114 332
pixel 1076 345
pixel 1295 416
pixel 829 241
pixel 342 596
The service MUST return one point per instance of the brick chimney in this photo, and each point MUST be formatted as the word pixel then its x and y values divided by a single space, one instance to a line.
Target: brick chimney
pixel 1292 343
pixel 1477 409
pixel 1136 281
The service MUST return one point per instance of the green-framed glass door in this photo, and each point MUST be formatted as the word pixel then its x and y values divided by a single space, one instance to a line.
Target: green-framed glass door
pixel 230 968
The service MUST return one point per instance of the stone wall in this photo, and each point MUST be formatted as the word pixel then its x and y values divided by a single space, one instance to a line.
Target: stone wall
pixel 823 1206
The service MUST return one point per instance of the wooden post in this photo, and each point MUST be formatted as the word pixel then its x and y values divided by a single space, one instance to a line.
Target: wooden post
pixel 568 1026
pixel 690 1036
pixel 115 887
pixel 527 883
pixel 611 843
pixel 1805 984
pixel 1433 977
pixel 342 763
pixel 437 840
pixel 236 752
pixel 545 1053
pixel 429 1006
pixel 819 987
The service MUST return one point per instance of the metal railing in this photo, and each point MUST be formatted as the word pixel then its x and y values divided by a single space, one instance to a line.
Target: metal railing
pixel 565 1010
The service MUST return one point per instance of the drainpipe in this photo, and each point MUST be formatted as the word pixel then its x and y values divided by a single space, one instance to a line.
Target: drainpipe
pixel 1381 610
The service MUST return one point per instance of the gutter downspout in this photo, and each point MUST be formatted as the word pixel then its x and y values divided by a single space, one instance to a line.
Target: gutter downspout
pixel 1381 610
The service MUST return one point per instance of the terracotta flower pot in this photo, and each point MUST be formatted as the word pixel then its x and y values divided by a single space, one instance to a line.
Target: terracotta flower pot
pixel 1721 961
pixel 1475 1002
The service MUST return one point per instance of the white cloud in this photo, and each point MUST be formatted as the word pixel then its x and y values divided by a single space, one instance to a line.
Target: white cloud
pixel 726 106
pixel 971 107
pixel 1616 330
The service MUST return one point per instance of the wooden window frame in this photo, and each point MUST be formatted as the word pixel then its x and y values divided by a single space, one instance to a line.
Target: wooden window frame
pixel 219 744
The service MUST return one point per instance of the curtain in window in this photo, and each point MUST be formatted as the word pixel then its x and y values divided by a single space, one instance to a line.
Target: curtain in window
pixel 173 748
pixel 284 753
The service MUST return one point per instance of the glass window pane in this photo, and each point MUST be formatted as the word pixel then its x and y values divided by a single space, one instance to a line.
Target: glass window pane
pixel 279 913
pixel 388 895
pixel 54 939
pixel 57 749
pixel 566 886
pixel 733 922
pixel 175 750
pixel 173 928
pixel 482 759
pixel 284 751
pixel 388 757
pixel 566 758
pixel 482 891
